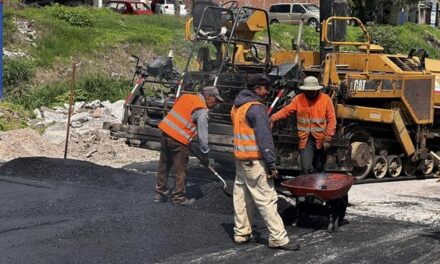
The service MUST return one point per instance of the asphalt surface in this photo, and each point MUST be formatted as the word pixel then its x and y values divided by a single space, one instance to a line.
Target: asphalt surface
pixel 67 211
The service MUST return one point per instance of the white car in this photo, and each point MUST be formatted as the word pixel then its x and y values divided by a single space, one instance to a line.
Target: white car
pixel 166 7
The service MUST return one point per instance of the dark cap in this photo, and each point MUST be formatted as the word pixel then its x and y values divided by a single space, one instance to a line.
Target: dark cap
pixel 258 79
pixel 211 90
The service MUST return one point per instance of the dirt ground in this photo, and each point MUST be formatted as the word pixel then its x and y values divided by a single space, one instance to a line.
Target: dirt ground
pixel 94 146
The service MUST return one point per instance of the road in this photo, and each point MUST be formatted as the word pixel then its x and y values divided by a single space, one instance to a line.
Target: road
pixel 67 211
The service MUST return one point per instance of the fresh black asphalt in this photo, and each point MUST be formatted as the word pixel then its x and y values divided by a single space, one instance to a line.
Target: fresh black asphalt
pixel 68 211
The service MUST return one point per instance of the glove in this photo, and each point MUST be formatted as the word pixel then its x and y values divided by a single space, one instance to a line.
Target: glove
pixel 273 173
pixel 326 143
pixel 204 159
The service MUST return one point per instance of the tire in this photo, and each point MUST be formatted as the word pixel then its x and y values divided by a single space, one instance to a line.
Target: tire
pixel 274 21
pixel 312 22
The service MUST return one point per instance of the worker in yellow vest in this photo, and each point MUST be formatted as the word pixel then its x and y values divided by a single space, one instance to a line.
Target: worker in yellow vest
pixel 187 118
pixel 316 123
pixel 254 153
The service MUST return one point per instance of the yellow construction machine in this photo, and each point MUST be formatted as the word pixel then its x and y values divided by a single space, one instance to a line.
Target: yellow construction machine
pixel 388 123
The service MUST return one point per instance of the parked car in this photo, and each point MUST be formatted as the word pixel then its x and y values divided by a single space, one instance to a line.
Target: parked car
pixel 129 7
pixel 166 7
pixel 291 13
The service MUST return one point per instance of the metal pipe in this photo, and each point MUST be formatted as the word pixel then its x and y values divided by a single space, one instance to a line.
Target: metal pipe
pixel 298 41
pixel 435 155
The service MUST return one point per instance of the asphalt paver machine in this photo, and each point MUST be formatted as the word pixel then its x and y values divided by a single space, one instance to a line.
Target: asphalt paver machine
pixel 388 121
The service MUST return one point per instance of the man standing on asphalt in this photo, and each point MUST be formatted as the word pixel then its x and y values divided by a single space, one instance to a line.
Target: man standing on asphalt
pixel 316 122
pixel 254 153
pixel 187 118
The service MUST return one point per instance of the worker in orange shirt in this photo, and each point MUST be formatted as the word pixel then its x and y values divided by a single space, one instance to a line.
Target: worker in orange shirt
pixel 187 119
pixel 316 123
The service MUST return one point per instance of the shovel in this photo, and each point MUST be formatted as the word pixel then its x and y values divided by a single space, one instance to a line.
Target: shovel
pixel 209 167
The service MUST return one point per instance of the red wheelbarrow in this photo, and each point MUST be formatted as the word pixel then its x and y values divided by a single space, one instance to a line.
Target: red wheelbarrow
pixel 325 189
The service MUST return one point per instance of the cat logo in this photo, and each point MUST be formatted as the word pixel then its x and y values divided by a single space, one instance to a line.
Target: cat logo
pixel 359 85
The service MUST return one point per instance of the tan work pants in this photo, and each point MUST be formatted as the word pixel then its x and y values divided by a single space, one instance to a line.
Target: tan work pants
pixel 253 189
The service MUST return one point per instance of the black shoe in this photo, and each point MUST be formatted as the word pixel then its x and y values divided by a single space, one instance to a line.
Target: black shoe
pixel 162 198
pixel 186 202
pixel 291 246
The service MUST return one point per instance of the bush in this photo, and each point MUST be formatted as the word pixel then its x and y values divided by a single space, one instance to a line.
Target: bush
pixel 386 36
pixel 17 75
pixel 76 16
pixel 16 72
pixel 88 88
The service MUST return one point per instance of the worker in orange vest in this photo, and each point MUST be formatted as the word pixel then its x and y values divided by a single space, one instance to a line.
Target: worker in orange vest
pixel 187 118
pixel 316 123
pixel 254 153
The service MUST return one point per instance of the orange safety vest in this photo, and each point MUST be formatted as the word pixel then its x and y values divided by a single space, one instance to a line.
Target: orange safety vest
pixel 311 119
pixel 245 143
pixel 178 123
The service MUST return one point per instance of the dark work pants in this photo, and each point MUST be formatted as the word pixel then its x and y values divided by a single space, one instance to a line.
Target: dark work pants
pixel 172 153
pixel 312 159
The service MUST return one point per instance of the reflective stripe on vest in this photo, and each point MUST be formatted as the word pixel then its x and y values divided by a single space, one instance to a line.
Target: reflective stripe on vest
pixel 311 118
pixel 178 123
pixel 246 148
pixel 178 129
pixel 244 137
pixel 182 120
pixel 245 143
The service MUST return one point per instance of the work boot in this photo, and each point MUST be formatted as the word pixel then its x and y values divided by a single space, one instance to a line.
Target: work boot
pixel 240 240
pixel 162 198
pixel 186 201
pixel 291 246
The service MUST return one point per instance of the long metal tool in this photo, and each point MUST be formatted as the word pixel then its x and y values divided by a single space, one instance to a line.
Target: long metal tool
pixel 209 167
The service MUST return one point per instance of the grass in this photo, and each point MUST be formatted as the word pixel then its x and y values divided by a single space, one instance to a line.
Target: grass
pixel 59 40
pixel 13 116
pixel 87 88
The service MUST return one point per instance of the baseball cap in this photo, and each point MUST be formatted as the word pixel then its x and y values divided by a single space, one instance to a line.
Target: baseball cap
pixel 211 90
pixel 258 79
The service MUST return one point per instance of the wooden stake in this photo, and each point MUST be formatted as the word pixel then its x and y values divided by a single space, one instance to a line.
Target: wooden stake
pixel 69 114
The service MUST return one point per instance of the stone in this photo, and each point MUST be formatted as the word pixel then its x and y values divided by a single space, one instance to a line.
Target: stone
pixel 38 114
pixel 106 104
pixel 51 116
pixel 93 105
pixel 56 133
pixel 80 117
pixel 79 106
pixel 117 110
pixel 101 112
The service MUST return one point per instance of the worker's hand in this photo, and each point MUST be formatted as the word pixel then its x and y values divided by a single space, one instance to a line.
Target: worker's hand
pixel 273 173
pixel 204 159
pixel 326 143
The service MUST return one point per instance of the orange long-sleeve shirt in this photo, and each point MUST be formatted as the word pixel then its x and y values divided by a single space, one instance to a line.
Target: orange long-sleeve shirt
pixel 316 117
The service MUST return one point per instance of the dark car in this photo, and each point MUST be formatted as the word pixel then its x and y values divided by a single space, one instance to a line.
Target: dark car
pixel 129 7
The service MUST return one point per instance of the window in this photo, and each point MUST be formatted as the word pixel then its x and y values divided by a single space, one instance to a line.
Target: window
pixel 297 9
pixel 121 7
pixel 280 9
pixel 140 6
pixel 112 5
pixel 312 8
